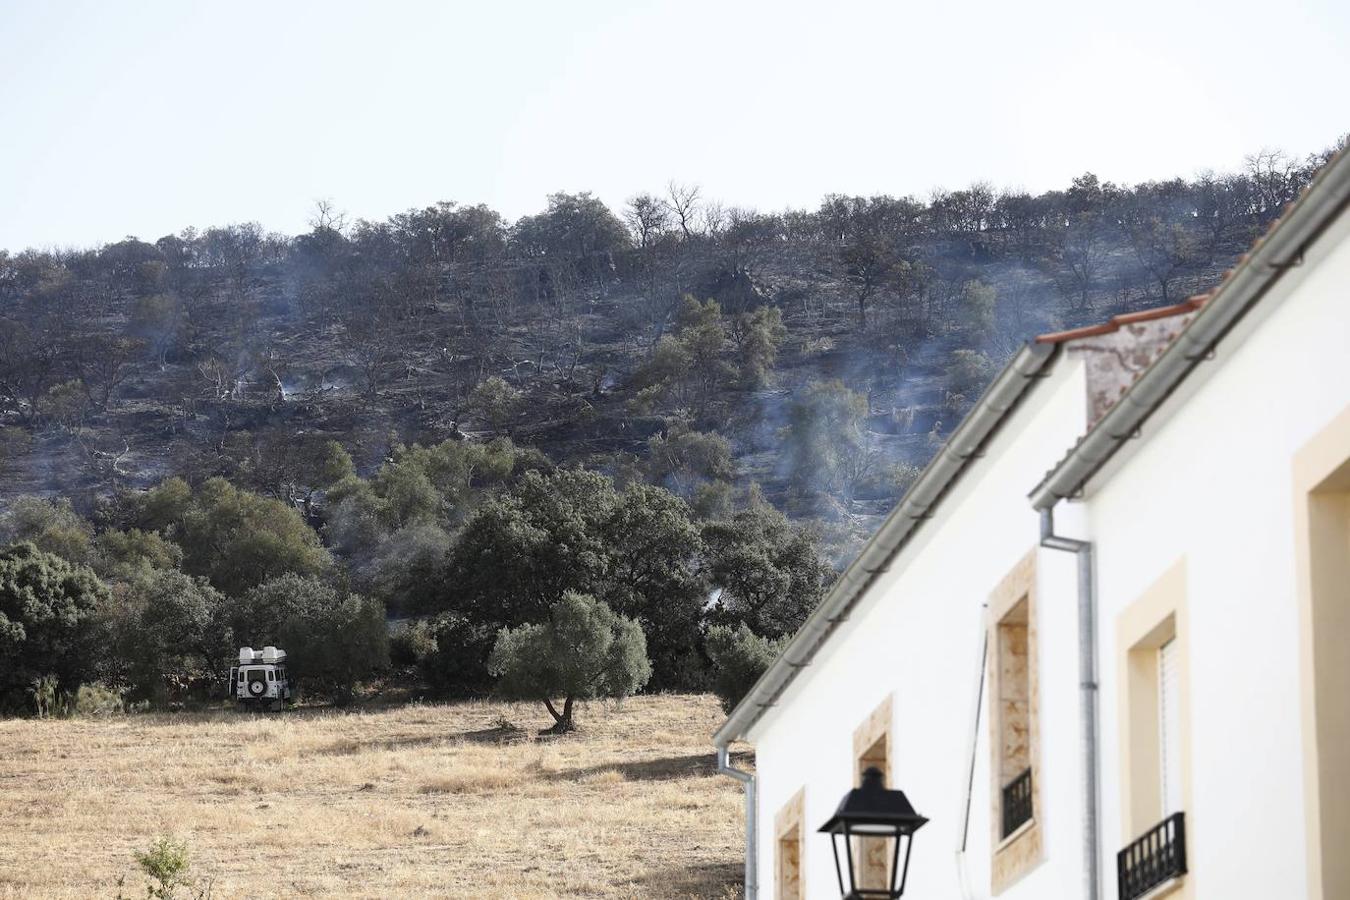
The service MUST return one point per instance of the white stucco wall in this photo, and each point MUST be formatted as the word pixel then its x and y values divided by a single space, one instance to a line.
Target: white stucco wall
pixel 918 635
pixel 1214 483
pixel 1211 481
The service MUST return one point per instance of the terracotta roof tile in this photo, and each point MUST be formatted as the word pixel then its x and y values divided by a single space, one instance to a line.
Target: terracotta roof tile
pixel 1191 304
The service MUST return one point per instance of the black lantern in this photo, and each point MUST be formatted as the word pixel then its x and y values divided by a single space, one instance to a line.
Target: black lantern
pixel 873 813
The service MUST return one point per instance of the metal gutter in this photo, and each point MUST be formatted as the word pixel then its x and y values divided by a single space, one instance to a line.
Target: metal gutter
pixel 918 504
pixel 1259 270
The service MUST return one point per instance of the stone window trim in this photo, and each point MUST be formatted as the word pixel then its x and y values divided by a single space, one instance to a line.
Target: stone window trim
pixel 875 731
pixel 1157 616
pixel 789 829
pixel 1017 854
pixel 1321 501
pixel 874 745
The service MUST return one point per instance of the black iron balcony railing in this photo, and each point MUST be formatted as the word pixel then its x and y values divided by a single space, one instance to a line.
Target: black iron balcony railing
pixel 1017 803
pixel 1159 855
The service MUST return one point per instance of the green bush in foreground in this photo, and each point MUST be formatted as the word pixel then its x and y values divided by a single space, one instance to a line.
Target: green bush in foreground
pixel 165 866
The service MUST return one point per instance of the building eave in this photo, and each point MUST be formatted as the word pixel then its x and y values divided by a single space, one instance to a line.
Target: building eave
pixel 1215 314
pixel 1278 251
pixel 904 522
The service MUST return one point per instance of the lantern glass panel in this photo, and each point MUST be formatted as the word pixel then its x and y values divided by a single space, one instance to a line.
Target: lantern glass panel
pixel 867 814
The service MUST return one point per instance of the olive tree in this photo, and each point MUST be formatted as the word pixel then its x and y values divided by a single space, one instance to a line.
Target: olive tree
pixel 584 650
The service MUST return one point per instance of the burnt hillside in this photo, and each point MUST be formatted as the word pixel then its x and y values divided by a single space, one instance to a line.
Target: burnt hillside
pixel 231 351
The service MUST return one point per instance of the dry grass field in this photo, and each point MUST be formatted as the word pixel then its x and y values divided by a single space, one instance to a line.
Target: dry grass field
pixel 415 801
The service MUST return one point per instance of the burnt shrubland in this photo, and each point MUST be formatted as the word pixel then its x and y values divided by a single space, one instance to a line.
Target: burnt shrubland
pixel 582 332
pixel 682 410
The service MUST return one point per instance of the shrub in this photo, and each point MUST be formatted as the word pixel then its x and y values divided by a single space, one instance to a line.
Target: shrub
pixel 408 569
pixel 967 372
pixel 66 404
pixel 14 445
pixel 235 538
pixel 407 493
pixel 124 555
pixel 825 443
pixel 166 862
pixel 165 506
pixel 170 632
pixel 96 700
pixel 52 526
pixel 739 658
pixel 769 569
pixel 975 313
pixel 758 335
pixel 412 643
pixel 496 401
pixel 457 666
pixel 332 639
pixel 47 609
pixel 683 459
pixel 335 464
pixel 712 500
pixel 165 865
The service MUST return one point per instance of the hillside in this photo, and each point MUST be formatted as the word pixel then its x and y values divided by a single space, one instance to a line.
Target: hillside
pixel 418 801
pixel 231 351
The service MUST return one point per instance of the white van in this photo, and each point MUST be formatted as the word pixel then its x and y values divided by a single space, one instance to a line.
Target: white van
pixel 261 679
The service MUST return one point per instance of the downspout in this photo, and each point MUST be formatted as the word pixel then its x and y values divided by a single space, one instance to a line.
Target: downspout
pixel 724 767
pixel 1087 686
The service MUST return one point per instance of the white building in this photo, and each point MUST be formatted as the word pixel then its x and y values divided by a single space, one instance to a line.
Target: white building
pixel 1122 593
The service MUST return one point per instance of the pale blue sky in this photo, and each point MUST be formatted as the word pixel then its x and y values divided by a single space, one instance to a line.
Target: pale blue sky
pixel 141 118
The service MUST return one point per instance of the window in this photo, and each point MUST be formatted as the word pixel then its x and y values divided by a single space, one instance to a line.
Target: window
pixel 1013 708
pixel 790 831
pixel 1153 730
pixel 1153 676
pixel 1322 534
pixel 1014 739
pixel 872 749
